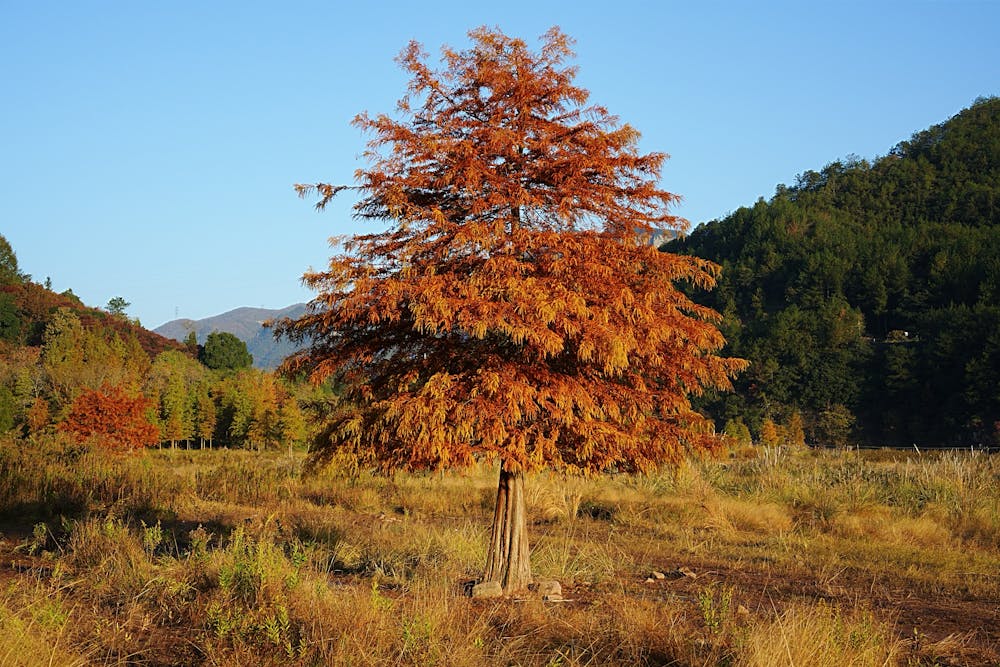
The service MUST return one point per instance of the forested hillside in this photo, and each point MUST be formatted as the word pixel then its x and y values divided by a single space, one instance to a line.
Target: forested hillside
pixel 94 376
pixel 867 295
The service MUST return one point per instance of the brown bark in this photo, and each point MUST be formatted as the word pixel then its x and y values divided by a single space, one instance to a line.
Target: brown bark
pixel 508 562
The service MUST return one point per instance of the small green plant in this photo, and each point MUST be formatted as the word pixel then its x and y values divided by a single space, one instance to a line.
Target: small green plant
pixel 378 600
pixel 277 629
pixel 39 538
pixel 152 537
pixel 715 606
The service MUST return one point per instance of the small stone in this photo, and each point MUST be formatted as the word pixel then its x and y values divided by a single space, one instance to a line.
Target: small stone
pixel 658 575
pixel 686 572
pixel 487 589
pixel 549 590
pixel 650 580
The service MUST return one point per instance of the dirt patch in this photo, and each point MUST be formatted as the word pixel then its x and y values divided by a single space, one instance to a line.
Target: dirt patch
pixel 945 630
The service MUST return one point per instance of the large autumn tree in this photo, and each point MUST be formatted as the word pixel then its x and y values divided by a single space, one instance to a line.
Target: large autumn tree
pixel 511 309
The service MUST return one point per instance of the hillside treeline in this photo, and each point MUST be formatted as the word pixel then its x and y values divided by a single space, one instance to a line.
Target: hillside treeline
pixel 867 294
pixel 95 375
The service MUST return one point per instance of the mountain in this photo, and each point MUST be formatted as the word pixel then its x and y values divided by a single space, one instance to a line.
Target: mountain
pixel 244 323
pixel 866 295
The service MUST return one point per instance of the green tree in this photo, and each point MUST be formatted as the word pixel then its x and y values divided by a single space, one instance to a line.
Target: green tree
pixel 191 343
pixel 8 409
pixel 10 319
pixel 224 351
pixel 870 288
pixel 833 426
pixel 10 274
pixel 250 404
pixel 206 415
pixel 172 384
pixel 738 432
pixel 117 306
pixel 291 423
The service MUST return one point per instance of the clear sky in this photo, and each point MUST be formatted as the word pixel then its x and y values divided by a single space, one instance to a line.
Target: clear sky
pixel 148 150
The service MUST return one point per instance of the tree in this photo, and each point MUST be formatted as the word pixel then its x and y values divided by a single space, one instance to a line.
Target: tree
pixel 291 422
pixel 737 432
pixel 205 415
pixel 10 320
pixel 873 286
pixel 769 436
pixel 513 309
pixel 10 274
pixel 172 385
pixel 8 409
pixel 111 418
pixel 224 351
pixel 250 400
pixel 117 306
pixel 191 343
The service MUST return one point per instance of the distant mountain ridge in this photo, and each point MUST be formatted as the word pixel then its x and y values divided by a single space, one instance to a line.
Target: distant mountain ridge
pixel 244 323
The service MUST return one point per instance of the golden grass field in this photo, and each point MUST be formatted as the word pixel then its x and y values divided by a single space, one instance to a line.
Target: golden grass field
pixel 788 557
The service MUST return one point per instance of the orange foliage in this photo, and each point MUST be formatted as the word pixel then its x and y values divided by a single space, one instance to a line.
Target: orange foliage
pixel 112 418
pixel 38 415
pixel 513 308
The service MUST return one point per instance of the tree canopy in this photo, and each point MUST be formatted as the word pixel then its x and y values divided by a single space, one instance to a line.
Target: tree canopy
pixel 223 350
pixel 513 308
pixel 9 271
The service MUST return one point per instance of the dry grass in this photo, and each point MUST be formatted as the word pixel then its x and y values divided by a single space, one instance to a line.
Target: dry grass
pixel 233 558
pixel 821 636
pixel 34 630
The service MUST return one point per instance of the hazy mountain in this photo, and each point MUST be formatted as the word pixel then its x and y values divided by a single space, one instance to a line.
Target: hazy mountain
pixel 244 323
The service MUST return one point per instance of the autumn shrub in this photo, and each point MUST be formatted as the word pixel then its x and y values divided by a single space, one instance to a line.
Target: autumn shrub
pixel 110 418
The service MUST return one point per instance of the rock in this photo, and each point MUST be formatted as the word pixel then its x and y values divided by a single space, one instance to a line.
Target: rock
pixel 658 575
pixel 650 580
pixel 549 590
pixel 487 589
pixel 686 572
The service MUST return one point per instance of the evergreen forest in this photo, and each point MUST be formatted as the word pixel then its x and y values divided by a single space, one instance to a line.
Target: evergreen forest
pixel 867 295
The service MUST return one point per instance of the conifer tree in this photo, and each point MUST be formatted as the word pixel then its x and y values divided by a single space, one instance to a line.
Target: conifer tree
pixel 513 309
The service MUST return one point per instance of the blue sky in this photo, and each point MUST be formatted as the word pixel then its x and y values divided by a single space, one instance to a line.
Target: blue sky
pixel 148 150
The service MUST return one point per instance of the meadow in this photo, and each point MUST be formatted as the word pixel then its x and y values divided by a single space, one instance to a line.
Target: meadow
pixel 779 556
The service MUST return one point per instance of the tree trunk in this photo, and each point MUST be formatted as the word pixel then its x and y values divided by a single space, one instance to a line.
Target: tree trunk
pixel 508 562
